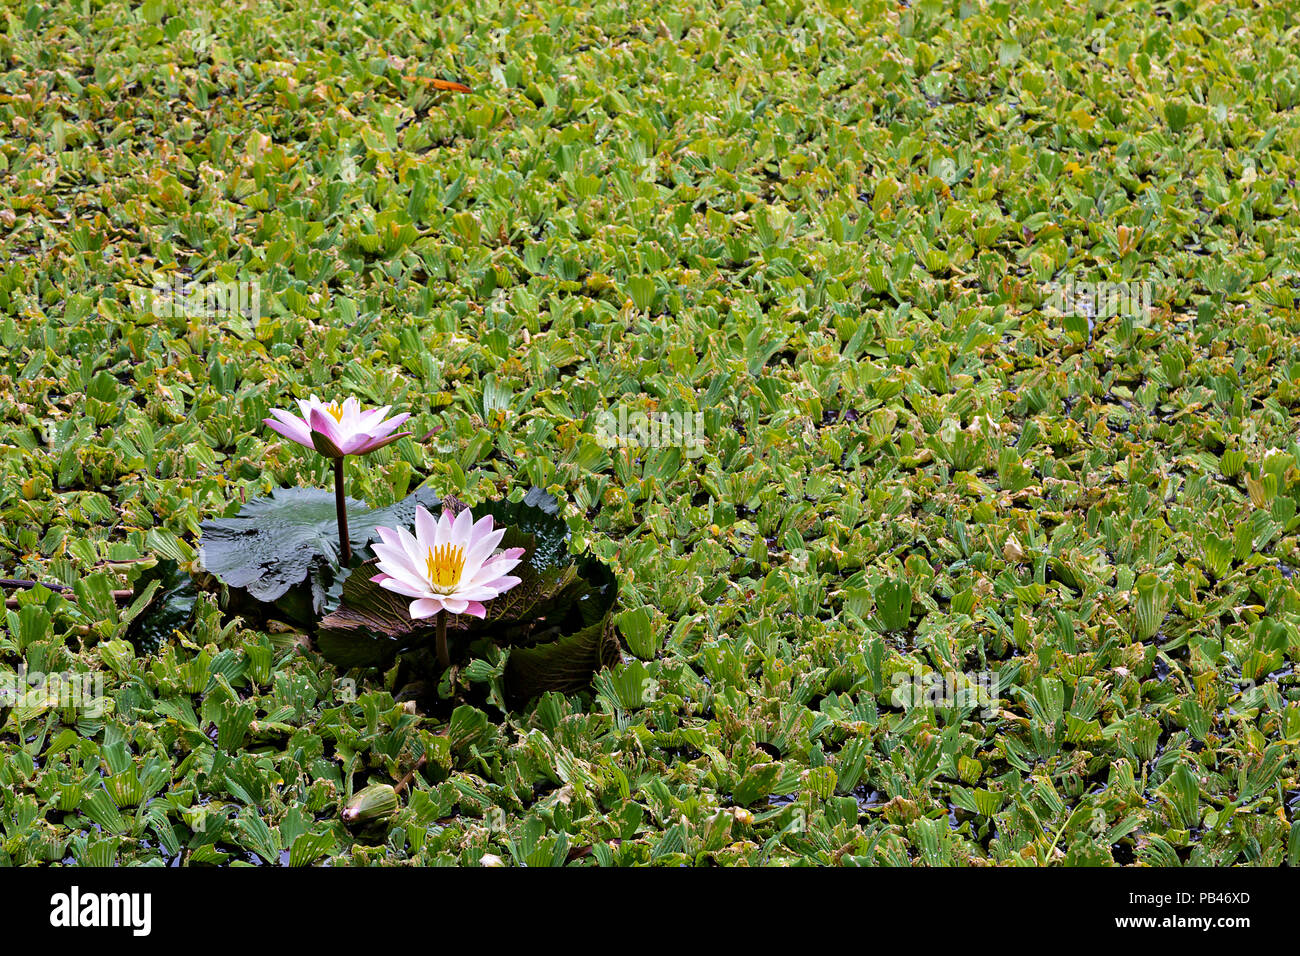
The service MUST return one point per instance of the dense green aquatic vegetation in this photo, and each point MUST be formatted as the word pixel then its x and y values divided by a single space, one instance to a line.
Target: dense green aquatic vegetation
pixel 926 373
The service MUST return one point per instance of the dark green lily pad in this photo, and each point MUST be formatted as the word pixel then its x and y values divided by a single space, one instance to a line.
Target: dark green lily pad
pixel 290 538
pixel 567 663
pixel 170 595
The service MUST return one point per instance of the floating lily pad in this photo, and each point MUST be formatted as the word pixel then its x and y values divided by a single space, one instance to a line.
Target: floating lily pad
pixel 290 538
pixel 567 663
pixel 169 596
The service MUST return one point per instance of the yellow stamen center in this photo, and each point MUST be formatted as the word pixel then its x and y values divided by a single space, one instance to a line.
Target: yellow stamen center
pixel 335 409
pixel 444 566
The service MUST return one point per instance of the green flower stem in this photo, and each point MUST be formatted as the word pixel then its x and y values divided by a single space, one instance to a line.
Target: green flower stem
pixel 444 659
pixel 340 501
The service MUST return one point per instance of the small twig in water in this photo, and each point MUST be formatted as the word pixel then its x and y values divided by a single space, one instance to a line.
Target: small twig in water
pixel 19 583
pixel 406 780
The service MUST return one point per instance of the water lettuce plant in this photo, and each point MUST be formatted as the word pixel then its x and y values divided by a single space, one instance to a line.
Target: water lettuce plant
pixel 954 570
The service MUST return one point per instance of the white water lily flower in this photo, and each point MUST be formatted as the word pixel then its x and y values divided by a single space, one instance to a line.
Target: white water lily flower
pixel 337 430
pixel 447 565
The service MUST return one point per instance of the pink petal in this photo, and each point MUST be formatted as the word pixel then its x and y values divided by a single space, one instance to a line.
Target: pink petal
pixel 293 421
pixel 353 444
pixel 475 609
pixel 301 435
pixel 325 434
pixel 381 429
pixel 373 417
pixel 397 436
pixel 504 556
pixel 374 444
pixel 305 405
pixel 364 444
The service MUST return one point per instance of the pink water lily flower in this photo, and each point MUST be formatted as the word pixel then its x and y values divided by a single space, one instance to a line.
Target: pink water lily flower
pixel 448 564
pixel 337 430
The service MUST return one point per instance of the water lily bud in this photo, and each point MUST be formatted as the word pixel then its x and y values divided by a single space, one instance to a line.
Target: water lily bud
pixel 376 802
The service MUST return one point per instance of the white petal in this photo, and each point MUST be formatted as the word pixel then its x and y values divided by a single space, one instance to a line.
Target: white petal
pixel 481 528
pixel 493 569
pixel 401 571
pixel 501 584
pixel 425 525
pixel 477 593
pixel 425 607
pixel 391 556
pixel 413 548
pixel 442 533
pixel 460 529
pixel 391 583
pixel 480 551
